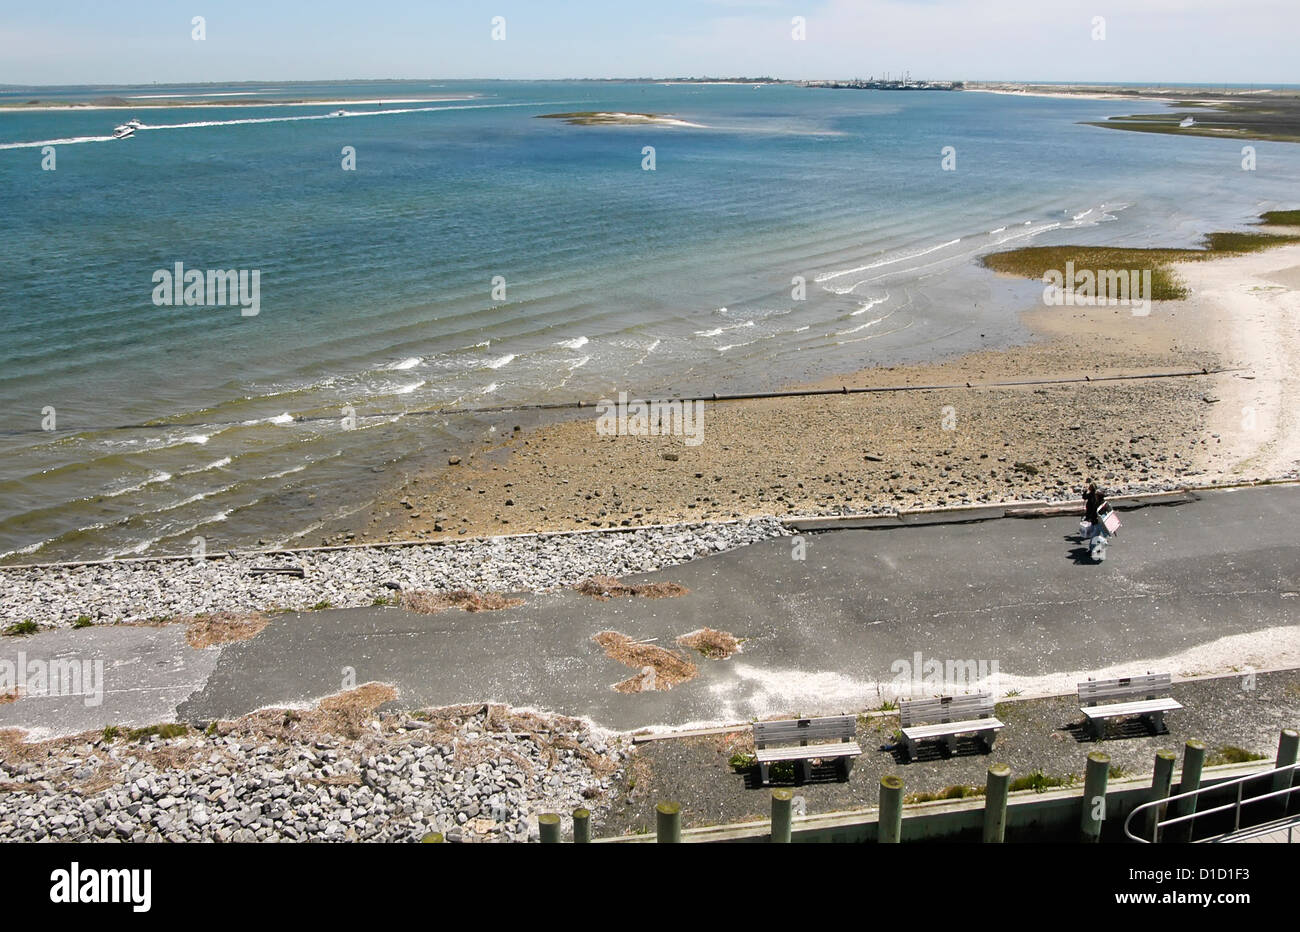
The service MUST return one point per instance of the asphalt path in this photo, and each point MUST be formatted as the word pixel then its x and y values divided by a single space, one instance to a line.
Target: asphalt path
pixel 831 621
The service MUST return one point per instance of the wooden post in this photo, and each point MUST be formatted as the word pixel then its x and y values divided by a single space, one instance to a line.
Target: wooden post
pixel 1193 763
pixel 548 826
pixel 1287 745
pixel 1162 780
pixel 581 826
pixel 1093 812
pixel 781 814
pixel 889 828
pixel 995 803
pixel 668 823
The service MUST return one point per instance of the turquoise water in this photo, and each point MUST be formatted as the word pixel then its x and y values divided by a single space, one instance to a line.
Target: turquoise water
pixel 376 284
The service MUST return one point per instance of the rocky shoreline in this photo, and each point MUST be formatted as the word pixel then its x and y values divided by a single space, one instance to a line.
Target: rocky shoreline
pixel 340 772
pixel 155 590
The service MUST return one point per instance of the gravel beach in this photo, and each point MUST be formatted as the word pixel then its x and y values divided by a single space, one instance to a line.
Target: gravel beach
pixel 340 772
pixel 155 590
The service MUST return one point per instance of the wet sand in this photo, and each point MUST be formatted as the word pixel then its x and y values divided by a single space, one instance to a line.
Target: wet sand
pixel 881 452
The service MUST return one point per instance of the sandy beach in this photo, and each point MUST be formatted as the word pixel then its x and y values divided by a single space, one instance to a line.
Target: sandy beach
pixel 880 452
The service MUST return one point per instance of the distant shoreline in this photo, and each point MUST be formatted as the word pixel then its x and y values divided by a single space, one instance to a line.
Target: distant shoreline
pixel 184 104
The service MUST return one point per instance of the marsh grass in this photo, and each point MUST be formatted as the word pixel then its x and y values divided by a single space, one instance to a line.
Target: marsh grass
pixel 1035 261
pixel 1281 218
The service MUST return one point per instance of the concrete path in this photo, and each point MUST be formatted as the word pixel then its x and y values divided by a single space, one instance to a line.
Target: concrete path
pixel 1198 588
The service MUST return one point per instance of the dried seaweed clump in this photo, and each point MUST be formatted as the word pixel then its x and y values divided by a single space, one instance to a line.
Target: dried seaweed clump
pixel 222 628
pixel 716 645
pixel 607 587
pixel 431 603
pixel 660 669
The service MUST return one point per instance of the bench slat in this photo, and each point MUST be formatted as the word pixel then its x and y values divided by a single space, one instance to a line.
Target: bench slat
pixel 1131 708
pixel 798 752
pixel 921 732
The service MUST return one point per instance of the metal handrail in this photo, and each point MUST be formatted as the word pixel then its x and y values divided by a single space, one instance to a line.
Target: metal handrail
pixel 1236 806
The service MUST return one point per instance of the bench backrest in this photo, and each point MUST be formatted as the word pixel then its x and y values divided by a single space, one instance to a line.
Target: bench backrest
pixel 1124 689
pixel 944 709
pixel 804 730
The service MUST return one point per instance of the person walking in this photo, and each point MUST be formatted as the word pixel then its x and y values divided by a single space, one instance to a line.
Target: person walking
pixel 1092 501
pixel 1097 535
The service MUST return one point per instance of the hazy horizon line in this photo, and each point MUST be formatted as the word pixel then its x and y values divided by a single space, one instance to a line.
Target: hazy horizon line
pixel 652 78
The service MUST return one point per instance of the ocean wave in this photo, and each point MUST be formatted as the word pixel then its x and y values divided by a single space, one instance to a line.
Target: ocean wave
pixel 138 548
pixel 407 389
pixel 718 331
pixel 576 343
pixel 645 354
pixel 874 336
pixel 285 418
pixel 828 276
pixel 861 327
pixel 405 364
pixel 505 360
pixel 152 480
pixel 869 305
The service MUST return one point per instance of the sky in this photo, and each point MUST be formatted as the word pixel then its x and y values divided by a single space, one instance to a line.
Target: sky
pixel 1145 41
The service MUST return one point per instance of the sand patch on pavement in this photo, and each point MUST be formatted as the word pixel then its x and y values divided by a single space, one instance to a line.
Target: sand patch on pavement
pixel 607 587
pixel 431 603
pixel 661 669
pixel 203 631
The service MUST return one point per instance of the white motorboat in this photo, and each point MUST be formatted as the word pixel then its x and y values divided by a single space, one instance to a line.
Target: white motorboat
pixel 134 123
pixel 1188 121
pixel 339 113
pixel 124 131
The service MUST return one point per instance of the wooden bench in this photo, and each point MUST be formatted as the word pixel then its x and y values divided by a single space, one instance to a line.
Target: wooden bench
pixel 949 716
pixel 836 734
pixel 1145 696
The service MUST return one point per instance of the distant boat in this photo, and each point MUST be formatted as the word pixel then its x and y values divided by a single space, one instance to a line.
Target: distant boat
pixel 124 131
pixel 339 113
pixel 1187 122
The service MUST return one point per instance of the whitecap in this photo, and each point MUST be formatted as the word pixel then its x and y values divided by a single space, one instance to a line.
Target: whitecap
pixel 869 305
pixel 155 478
pixel 883 262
